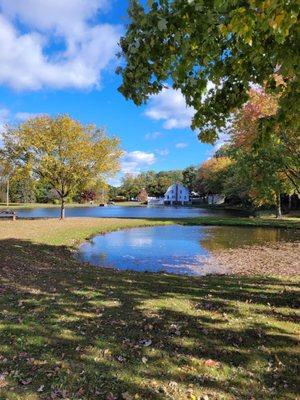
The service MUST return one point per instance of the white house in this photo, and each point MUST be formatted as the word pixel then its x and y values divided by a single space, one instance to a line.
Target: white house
pixel 177 194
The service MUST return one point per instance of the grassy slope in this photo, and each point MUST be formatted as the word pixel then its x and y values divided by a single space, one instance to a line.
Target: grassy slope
pixel 77 332
pixel 69 232
pixel 293 223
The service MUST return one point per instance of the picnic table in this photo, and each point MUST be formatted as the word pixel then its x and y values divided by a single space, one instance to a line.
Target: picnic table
pixel 8 214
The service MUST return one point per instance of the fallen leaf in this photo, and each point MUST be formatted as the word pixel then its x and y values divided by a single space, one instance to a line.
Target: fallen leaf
pixel 211 363
pixel 26 381
pixel 3 381
pixel 145 342
pixel 127 396
pixel 111 396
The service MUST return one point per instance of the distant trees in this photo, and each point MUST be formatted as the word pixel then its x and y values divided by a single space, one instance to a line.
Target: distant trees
pixel 62 153
pixel 22 189
pixel 190 178
pixel 154 183
pixel 213 174
pixel 88 195
pixel 130 186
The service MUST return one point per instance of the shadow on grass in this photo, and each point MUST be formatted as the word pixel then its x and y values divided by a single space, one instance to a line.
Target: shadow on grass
pixel 69 330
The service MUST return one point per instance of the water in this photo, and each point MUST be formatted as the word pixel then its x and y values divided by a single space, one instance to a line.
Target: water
pixel 125 212
pixel 173 249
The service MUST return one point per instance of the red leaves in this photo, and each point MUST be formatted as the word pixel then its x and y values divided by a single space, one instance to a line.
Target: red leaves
pixel 3 381
pixel 211 363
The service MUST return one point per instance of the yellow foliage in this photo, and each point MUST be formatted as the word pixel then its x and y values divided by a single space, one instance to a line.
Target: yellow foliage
pixel 213 166
pixel 64 153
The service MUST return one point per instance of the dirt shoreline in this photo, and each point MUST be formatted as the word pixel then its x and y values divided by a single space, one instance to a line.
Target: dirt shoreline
pixel 268 259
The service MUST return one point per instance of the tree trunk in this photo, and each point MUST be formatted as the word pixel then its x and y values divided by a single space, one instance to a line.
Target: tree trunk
pixel 290 202
pixel 278 212
pixel 7 193
pixel 62 208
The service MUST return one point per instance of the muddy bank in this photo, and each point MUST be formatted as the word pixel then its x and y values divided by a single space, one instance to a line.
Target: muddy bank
pixel 269 259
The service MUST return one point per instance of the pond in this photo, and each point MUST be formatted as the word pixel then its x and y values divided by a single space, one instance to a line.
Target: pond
pixel 125 212
pixel 173 249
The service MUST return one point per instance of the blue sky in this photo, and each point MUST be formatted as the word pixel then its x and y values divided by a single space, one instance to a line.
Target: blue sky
pixel 59 57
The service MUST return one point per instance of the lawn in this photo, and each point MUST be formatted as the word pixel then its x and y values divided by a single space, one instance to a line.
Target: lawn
pixel 71 331
pixel 267 222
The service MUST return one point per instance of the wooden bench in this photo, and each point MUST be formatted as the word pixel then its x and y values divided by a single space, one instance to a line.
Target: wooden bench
pixel 8 214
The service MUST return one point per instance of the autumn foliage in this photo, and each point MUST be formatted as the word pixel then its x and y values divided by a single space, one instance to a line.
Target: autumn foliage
pixel 246 125
pixel 213 172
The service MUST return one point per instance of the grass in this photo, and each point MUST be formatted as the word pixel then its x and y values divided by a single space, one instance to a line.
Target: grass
pixel 71 331
pixel 269 222
pixel 69 232
pixel 130 204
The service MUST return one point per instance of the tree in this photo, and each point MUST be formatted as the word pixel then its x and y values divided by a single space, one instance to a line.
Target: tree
pixel 88 195
pixel 271 167
pixel 213 173
pixel 22 189
pixel 130 187
pixel 262 170
pixel 42 191
pixel 190 177
pixel 113 192
pixel 222 45
pixel 63 153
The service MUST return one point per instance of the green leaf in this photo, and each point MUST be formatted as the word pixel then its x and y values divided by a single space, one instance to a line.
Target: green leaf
pixel 162 24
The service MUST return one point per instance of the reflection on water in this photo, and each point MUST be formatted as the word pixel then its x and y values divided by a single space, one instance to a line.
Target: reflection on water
pixel 125 212
pixel 174 249
pixel 221 237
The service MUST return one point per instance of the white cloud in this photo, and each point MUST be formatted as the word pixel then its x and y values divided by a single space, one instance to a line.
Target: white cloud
pixel 181 145
pixel 162 152
pixel 24 116
pixel 4 115
pixel 60 44
pixel 134 161
pixel 170 106
pixel 8 117
pixel 153 135
pixel 116 182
